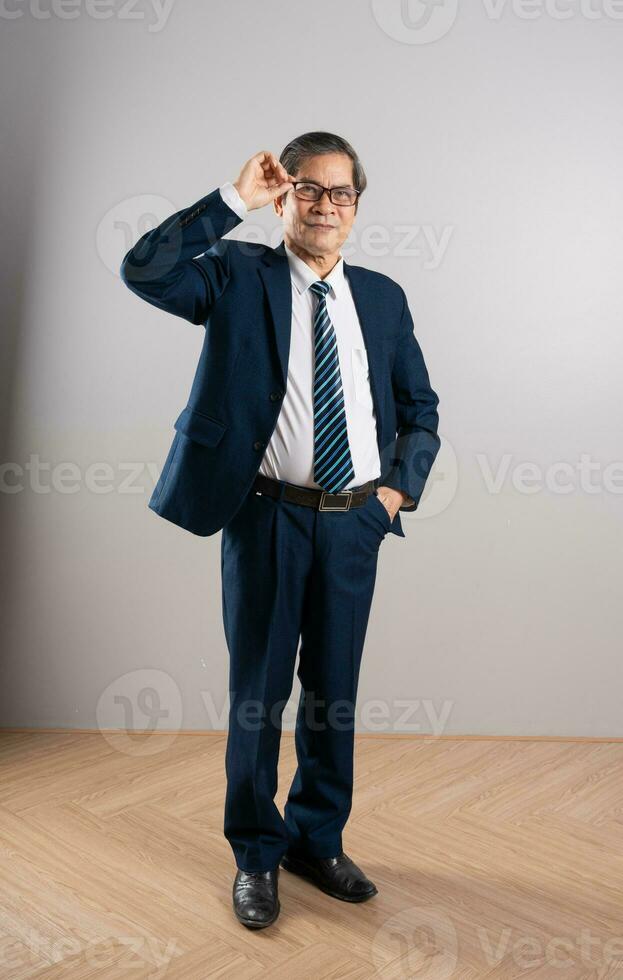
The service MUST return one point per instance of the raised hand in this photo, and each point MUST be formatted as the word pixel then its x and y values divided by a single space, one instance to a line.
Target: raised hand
pixel 262 179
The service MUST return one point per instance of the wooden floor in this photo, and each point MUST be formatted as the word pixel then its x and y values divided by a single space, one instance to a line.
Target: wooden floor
pixel 493 858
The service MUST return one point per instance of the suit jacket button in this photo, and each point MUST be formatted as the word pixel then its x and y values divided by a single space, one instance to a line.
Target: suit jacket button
pixel 275 396
pixel 258 444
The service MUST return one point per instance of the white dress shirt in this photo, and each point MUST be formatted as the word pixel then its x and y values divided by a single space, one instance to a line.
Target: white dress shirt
pixel 289 455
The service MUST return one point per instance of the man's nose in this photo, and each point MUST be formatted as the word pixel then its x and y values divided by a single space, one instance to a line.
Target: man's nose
pixel 325 201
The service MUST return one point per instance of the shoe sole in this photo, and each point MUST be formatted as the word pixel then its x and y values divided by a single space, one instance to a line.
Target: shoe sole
pixel 254 924
pixel 295 867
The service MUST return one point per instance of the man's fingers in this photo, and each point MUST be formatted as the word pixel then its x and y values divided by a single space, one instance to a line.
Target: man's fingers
pixel 280 170
pixel 280 189
pixel 268 160
pixel 270 174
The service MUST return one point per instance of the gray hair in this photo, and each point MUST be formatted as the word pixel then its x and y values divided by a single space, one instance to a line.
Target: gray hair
pixel 313 144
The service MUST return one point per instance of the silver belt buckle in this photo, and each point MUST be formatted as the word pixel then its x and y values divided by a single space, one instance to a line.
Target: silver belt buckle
pixel 341 493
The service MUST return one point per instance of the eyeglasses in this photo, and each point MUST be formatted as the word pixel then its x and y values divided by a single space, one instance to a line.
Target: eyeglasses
pixel 307 190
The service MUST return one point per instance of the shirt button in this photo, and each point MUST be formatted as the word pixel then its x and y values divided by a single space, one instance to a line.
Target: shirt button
pixel 258 444
pixel 276 396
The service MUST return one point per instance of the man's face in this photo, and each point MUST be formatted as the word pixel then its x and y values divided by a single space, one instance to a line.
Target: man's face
pixel 318 227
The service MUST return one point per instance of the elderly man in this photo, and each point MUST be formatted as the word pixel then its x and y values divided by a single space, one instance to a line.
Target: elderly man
pixel 310 424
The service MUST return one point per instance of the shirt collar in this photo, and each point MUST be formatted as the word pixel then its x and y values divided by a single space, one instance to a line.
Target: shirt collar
pixel 303 275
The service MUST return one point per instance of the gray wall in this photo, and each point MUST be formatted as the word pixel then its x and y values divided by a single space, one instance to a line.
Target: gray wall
pixel 492 138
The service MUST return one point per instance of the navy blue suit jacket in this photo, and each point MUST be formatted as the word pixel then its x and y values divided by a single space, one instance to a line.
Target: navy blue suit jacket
pixel 242 294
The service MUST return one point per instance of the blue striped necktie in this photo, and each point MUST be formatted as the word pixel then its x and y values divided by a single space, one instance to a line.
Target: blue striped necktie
pixel 333 466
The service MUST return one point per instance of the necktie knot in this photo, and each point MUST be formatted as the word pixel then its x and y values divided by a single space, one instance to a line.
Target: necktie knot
pixel 320 288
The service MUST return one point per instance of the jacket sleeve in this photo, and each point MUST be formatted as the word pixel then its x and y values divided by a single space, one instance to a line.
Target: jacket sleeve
pixel 410 457
pixel 165 266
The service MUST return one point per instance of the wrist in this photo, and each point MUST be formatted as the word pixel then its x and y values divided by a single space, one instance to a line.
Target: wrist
pixel 247 204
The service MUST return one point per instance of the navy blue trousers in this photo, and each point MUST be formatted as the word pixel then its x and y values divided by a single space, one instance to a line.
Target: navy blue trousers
pixel 291 573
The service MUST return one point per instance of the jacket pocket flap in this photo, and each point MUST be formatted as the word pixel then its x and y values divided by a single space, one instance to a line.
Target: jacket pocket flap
pixel 199 427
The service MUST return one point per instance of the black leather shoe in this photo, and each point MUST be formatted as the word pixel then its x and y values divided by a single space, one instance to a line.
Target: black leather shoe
pixel 337 876
pixel 256 897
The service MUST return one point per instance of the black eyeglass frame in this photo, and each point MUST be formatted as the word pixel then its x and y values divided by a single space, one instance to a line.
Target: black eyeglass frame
pixel 314 183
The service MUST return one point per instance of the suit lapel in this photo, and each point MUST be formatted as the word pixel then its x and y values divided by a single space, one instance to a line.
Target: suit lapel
pixel 371 319
pixel 275 272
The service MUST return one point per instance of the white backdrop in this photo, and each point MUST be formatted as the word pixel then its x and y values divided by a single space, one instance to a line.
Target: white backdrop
pixel 492 138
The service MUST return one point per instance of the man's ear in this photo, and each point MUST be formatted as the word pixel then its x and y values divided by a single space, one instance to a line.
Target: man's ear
pixel 278 204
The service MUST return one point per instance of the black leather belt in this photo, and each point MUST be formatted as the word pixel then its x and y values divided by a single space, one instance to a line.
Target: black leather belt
pixel 309 497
